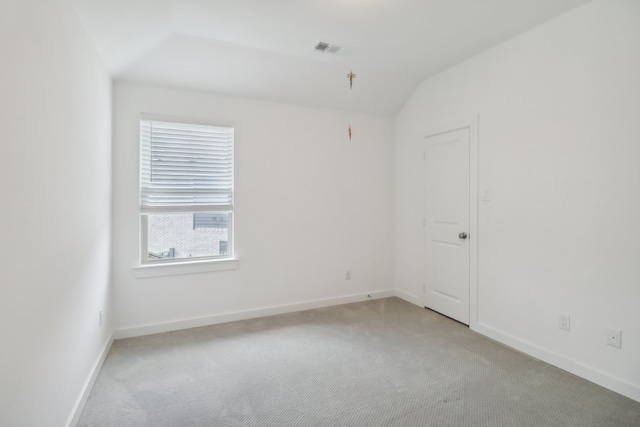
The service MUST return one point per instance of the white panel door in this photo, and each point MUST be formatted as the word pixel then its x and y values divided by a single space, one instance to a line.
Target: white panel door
pixel 446 224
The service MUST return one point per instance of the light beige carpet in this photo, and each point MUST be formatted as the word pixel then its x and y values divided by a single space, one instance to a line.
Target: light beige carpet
pixel 376 363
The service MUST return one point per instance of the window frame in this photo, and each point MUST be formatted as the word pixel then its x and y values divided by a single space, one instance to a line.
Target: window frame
pixel 203 263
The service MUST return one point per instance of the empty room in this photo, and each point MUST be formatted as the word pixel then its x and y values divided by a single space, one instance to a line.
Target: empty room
pixel 233 213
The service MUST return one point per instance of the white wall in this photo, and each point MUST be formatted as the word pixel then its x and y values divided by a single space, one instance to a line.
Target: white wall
pixel 559 144
pixel 309 204
pixel 55 132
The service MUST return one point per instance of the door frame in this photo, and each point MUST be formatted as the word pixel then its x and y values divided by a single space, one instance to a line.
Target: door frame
pixel 470 122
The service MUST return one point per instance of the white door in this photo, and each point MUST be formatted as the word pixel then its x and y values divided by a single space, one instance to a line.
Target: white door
pixel 446 224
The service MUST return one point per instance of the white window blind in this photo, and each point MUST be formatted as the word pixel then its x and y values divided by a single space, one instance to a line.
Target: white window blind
pixel 185 167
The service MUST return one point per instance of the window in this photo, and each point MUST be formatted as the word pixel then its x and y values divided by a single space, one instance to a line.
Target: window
pixel 186 192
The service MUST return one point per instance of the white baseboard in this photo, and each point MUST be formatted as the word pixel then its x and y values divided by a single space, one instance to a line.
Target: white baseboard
pixel 156 328
pixel 413 299
pixel 74 417
pixel 589 373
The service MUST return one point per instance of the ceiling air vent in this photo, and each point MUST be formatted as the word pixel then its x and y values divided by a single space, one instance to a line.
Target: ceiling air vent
pixel 322 47
pixel 327 48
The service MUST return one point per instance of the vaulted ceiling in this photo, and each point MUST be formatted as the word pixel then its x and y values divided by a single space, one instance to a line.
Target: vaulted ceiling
pixel 264 49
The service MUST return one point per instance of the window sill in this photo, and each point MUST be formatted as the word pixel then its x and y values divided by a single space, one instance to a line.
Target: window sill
pixel 173 269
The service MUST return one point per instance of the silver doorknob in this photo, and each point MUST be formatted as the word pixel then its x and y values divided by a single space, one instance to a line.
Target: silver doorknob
pixel 463 235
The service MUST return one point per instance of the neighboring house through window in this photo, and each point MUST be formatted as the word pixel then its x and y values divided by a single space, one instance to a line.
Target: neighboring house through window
pixel 186 191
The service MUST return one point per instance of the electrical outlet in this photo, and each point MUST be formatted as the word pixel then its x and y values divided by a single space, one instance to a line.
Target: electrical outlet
pixel 564 322
pixel 347 274
pixel 614 338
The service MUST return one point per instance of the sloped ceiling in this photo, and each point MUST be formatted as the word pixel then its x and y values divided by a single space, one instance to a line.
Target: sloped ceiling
pixel 264 49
